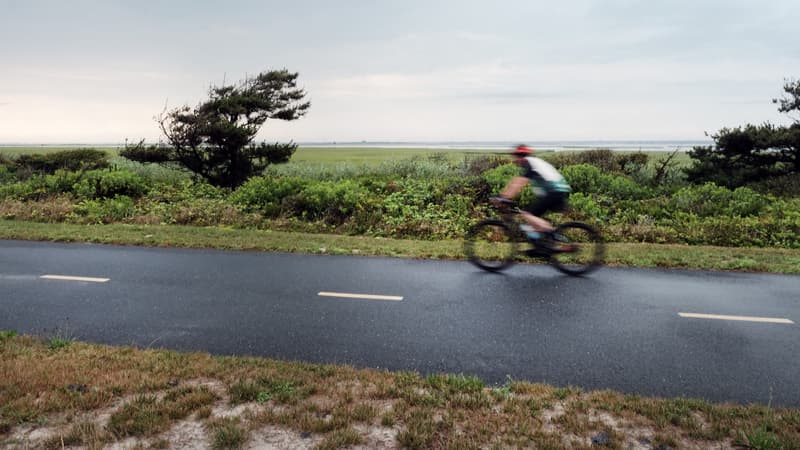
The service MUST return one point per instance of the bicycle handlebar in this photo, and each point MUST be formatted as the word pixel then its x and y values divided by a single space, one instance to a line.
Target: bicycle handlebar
pixel 502 200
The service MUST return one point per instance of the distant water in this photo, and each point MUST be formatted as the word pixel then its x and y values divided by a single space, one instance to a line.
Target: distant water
pixel 539 145
pixel 653 145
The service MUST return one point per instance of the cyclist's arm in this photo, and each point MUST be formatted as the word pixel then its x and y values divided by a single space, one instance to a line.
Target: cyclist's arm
pixel 514 187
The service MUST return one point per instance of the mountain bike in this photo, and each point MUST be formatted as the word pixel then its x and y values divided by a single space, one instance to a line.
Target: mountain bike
pixel 495 244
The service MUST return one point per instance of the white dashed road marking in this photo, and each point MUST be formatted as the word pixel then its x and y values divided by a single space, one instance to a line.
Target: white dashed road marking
pixel 739 318
pixel 71 278
pixel 361 296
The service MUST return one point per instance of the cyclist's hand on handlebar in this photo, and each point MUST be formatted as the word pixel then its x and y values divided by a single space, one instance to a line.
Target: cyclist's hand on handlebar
pixel 500 202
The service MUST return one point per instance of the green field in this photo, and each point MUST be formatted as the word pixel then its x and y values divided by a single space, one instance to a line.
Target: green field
pixel 368 155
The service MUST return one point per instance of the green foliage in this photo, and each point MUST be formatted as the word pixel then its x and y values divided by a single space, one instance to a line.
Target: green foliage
pixel 333 202
pixel 105 210
pixel 369 200
pixel 790 102
pixel 747 154
pixel 752 153
pixel 214 140
pixel 604 159
pixel 40 186
pixel 69 160
pixel 589 179
pixel 227 433
pixel 110 183
pixel 6 335
pixel 784 185
pixel 586 209
pixel 453 384
pixel 425 208
pixel 497 177
pixel 57 343
pixel 263 390
pixel 266 194
pixel 712 200
pixel 7 175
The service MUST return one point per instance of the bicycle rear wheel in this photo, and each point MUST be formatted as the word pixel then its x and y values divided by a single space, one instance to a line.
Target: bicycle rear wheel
pixel 578 249
pixel 491 246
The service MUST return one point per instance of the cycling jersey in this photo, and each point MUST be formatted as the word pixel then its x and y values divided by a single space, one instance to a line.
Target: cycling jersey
pixel 545 177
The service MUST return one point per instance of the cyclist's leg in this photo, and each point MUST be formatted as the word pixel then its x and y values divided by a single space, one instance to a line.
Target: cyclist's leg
pixel 538 223
pixel 533 213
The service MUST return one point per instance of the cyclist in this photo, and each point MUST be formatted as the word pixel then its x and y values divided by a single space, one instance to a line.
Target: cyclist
pixel 550 187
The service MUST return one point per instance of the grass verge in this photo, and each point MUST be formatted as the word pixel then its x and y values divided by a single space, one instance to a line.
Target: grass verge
pixel 93 395
pixel 622 254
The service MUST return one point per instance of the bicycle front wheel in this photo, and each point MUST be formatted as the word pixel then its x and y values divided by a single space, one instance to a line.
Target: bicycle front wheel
pixel 491 246
pixel 578 249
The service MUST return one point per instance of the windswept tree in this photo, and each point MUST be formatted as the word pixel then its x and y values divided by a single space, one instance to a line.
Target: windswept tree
pixel 214 140
pixel 753 152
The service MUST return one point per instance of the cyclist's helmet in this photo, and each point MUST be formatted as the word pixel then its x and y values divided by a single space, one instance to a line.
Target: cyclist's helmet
pixel 522 150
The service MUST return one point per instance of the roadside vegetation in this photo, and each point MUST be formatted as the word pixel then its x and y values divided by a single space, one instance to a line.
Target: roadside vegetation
pixel 71 394
pixel 632 198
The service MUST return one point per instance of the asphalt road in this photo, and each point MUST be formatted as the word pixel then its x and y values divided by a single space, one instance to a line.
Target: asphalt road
pixel 617 329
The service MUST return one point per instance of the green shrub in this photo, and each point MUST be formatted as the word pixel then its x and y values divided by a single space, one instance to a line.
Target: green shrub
pixel 30 189
pixel 153 173
pixel 70 160
pixel 425 209
pixel 105 210
pixel 784 185
pixel 604 159
pixel 62 182
pixel 333 202
pixel 266 194
pixel 110 183
pixel 498 177
pixel 583 207
pixel 7 175
pixel 711 200
pixel 589 179
pixel 477 166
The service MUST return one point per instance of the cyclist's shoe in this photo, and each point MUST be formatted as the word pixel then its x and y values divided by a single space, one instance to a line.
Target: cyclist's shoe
pixel 547 240
pixel 530 233
pixel 561 244
pixel 538 252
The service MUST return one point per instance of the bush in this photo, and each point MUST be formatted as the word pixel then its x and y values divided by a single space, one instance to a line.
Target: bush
pixel 426 210
pixel 110 183
pixel 105 210
pixel 266 194
pixel 583 207
pixel 711 200
pixel 604 159
pixel 477 166
pixel 70 160
pixel 589 179
pixel 6 174
pixel 333 202
pixel 784 186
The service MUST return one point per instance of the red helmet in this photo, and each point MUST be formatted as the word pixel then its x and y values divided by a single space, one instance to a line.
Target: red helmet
pixel 522 150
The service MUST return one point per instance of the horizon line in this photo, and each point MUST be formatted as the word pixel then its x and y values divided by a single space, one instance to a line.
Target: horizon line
pixel 417 142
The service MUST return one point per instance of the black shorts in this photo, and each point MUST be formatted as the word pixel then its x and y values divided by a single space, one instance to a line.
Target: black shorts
pixel 554 201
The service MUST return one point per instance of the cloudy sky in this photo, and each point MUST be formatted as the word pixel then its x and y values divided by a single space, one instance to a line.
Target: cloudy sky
pixel 405 70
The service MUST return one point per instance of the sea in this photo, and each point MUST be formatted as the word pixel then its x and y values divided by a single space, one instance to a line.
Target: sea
pixel 621 145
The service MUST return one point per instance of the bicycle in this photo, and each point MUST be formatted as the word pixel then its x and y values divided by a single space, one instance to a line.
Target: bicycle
pixel 494 244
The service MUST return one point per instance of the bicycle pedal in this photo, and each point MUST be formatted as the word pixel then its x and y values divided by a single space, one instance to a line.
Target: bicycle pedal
pixel 567 248
pixel 537 253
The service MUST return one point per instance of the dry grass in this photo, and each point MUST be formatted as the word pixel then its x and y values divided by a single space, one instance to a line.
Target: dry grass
pixel 96 396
